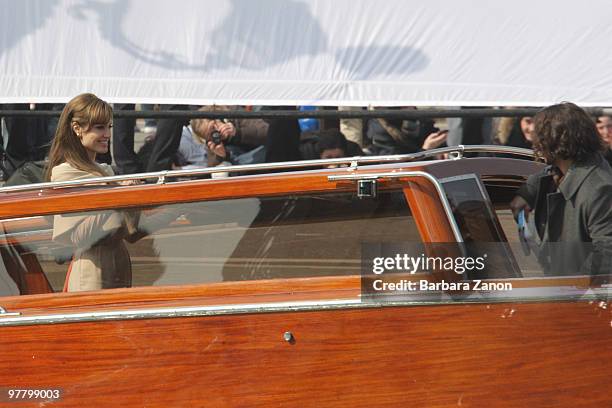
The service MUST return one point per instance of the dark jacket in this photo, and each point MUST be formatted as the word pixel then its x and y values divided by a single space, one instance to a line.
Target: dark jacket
pixel 574 221
pixel 608 156
pixel 410 135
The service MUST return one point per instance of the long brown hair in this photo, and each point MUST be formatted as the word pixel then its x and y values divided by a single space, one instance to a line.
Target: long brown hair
pixel 565 131
pixel 86 110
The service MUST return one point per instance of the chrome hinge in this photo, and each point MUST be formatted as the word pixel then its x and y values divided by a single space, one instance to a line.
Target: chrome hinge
pixel 457 154
pixel 366 188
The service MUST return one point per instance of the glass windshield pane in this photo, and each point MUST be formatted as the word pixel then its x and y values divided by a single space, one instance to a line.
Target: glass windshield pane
pixel 479 227
pixel 203 242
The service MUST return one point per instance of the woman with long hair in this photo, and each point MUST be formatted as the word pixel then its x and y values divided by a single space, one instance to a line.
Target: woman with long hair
pixel 83 131
pixel 100 258
pixel 516 132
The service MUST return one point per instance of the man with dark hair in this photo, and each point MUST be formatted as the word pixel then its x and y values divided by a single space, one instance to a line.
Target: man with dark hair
pixel 327 144
pixel 572 197
pixel 332 144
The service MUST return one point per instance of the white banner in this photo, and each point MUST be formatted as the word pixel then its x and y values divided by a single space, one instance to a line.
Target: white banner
pixel 308 52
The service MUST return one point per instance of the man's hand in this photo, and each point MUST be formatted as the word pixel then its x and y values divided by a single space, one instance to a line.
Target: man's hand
pixel 226 130
pixel 517 204
pixel 216 150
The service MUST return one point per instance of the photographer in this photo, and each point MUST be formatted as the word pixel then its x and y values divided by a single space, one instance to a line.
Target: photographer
pixel 210 142
pixel 176 137
pixel 203 143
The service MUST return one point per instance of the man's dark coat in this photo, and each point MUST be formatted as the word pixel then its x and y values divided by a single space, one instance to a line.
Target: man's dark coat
pixel 574 221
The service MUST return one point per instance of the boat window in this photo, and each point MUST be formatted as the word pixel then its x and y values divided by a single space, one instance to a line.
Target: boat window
pixel 501 191
pixel 479 227
pixel 527 260
pixel 214 241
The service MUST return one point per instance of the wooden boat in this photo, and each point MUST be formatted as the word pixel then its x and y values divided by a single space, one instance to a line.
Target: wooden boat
pixel 251 294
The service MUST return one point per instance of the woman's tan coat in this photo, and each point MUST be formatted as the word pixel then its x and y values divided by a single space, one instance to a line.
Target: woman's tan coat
pixel 100 259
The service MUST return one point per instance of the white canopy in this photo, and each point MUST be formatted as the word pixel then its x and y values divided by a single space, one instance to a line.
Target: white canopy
pixel 308 52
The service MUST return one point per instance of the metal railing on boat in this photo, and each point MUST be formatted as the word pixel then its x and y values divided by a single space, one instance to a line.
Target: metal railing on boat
pixel 353 163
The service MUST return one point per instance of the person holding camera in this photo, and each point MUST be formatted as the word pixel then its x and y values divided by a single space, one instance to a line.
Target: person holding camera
pixel 203 142
pixel 181 143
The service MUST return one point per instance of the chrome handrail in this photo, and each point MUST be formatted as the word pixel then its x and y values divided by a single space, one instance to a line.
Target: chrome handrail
pixel 353 162
pixel 5 313
pixel 401 174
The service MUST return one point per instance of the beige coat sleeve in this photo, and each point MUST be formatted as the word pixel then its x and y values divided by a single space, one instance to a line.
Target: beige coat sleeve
pixel 83 230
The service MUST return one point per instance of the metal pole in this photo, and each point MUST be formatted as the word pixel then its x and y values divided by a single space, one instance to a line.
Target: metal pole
pixel 318 114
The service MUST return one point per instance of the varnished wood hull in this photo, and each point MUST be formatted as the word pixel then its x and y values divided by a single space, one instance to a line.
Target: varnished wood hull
pixel 478 355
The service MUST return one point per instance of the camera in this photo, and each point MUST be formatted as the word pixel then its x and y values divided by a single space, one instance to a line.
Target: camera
pixel 216 137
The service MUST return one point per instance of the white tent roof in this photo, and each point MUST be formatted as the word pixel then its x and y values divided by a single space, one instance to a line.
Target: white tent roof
pixel 308 52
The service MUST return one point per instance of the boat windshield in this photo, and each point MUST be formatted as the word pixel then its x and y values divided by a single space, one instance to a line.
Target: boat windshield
pixel 213 241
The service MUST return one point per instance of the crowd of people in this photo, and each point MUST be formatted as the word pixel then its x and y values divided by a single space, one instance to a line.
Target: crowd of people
pixel 182 143
pixel 570 198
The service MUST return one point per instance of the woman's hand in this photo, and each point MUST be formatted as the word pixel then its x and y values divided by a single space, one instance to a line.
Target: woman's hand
pixel 434 140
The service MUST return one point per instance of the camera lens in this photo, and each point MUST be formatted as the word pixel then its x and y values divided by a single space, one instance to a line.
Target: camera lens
pixel 216 137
